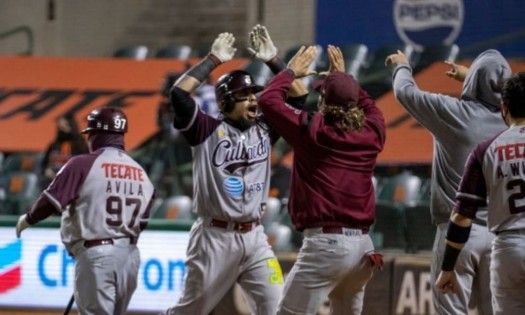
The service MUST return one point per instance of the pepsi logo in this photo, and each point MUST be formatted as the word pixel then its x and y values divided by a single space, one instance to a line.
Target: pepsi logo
pixel 427 22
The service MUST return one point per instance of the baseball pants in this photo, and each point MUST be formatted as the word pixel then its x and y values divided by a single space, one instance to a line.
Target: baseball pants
pixel 472 271
pixel 332 265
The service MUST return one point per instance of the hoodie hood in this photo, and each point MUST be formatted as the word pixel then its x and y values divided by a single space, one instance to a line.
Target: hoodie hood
pixel 485 79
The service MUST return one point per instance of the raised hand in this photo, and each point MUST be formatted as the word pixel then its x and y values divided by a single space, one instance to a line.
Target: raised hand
pixel 300 63
pixel 262 45
pixel 337 61
pixel 222 47
pixel 456 72
pixel 396 59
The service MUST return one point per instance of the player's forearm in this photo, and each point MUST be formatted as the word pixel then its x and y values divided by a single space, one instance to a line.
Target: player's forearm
pixel 41 210
pixel 298 89
pixel 458 233
pixel 190 80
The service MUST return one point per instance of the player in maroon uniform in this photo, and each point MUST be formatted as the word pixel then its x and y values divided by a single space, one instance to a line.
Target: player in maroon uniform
pixel 332 195
pixel 104 198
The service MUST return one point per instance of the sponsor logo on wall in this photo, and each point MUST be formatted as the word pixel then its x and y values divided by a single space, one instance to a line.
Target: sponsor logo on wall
pixel 428 22
pixel 10 266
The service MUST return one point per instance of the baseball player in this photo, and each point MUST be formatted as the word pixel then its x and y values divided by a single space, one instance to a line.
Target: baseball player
pixel 494 174
pixel 331 195
pixel 457 125
pixel 104 198
pixel 231 182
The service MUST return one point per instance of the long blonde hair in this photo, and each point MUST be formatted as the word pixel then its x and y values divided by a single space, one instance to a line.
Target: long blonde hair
pixel 351 119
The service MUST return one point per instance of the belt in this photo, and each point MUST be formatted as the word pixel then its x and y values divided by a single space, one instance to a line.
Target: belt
pixel 241 227
pixel 107 241
pixel 335 230
pixel 342 230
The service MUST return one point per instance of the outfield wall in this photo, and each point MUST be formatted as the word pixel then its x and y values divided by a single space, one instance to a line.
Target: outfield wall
pixel 38 262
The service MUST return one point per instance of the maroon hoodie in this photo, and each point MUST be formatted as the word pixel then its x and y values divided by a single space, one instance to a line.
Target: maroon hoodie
pixel 332 170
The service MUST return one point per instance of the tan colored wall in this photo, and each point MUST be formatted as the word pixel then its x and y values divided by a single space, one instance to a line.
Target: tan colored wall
pixel 97 28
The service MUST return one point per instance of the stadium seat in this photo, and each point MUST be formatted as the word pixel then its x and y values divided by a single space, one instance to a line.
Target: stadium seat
pixel 421 231
pixel 19 191
pixel 435 53
pixel 139 52
pixel 22 162
pixel 404 188
pixel 175 208
pixel 181 52
pixel 376 78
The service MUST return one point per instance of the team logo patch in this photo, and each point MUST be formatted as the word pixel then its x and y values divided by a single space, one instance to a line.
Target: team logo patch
pixel 276 276
pixel 220 133
pixel 426 22
pixel 233 187
pixel 10 269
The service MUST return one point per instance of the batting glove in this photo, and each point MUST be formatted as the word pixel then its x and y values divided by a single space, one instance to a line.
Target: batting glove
pixel 21 225
pixel 262 45
pixel 222 47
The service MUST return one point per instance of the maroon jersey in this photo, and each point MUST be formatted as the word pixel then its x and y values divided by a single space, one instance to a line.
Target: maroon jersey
pixel 332 169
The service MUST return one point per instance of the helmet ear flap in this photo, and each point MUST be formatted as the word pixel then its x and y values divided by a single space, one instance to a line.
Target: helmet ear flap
pixel 229 103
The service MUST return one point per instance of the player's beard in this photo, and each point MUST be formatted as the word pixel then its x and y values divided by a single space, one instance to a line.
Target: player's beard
pixel 241 123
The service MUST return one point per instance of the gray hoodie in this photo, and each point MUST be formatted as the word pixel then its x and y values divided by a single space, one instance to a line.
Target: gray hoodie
pixel 457 125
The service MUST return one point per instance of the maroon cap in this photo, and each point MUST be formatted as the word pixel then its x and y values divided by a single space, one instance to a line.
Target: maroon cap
pixel 338 88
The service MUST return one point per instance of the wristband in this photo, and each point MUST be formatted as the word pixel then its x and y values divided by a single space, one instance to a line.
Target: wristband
pixel 201 70
pixel 215 59
pixel 457 234
pixel 450 257
pixel 276 64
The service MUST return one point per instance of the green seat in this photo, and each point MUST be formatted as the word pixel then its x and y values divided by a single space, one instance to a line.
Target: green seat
pixel 19 191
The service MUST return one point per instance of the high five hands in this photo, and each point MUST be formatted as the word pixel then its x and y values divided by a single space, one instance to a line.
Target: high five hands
pixel 337 62
pixel 300 63
pixel 262 45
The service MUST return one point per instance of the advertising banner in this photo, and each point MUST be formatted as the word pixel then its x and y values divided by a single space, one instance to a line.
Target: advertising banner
pixel 36 270
pixel 34 91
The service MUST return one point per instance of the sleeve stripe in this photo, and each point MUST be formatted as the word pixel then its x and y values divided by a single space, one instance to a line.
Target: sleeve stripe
pixel 55 202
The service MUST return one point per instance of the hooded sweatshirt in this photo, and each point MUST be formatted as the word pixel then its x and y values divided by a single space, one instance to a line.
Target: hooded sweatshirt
pixel 457 125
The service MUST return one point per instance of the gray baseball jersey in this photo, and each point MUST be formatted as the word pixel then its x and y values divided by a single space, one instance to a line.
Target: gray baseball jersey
pixel 458 125
pixel 231 181
pixel 105 198
pixel 231 169
pixel 495 172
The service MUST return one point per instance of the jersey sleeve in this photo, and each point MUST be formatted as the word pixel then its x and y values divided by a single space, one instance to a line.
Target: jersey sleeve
pixel 64 188
pixel 430 109
pixel 287 120
pixel 472 193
